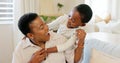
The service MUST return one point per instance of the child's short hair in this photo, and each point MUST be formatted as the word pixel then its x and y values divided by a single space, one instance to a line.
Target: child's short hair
pixel 85 11
pixel 24 22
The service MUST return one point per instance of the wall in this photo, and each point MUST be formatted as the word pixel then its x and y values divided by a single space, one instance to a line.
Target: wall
pixel 52 7
pixel 6 42
pixel 71 4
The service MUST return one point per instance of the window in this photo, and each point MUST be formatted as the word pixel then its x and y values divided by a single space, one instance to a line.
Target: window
pixel 6 10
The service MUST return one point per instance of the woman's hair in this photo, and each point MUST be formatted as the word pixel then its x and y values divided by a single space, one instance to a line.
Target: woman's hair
pixel 24 22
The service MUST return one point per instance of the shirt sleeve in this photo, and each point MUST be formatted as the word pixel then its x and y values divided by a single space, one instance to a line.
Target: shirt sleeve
pixel 17 58
pixel 54 25
pixel 67 45
pixel 69 55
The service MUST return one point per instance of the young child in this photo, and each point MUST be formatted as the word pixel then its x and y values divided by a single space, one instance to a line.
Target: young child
pixel 67 25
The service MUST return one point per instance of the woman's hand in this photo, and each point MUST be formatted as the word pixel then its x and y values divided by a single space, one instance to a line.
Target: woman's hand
pixel 38 56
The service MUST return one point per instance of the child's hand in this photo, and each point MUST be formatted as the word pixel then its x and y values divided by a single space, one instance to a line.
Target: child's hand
pixel 81 34
pixel 81 37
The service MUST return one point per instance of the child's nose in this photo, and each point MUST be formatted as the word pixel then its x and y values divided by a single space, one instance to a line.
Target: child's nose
pixel 46 28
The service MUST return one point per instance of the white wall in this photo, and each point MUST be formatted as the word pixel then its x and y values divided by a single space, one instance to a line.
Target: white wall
pixel 51 5
pixel 6 42
pixel 70 4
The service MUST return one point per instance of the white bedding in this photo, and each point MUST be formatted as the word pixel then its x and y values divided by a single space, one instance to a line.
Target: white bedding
pixel 106 37
pixel 105 42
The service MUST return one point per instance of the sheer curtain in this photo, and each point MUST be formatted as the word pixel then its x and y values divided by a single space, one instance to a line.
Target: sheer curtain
pixel 104 7
pixel 21 7
pixel 99 7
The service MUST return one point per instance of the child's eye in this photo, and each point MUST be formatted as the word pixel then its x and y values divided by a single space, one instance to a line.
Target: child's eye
pixel 69 16
pixel 41 27
pixel 73 20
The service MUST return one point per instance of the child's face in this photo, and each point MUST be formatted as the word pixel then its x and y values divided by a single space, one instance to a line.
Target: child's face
pixel 39 30
pixel 75 20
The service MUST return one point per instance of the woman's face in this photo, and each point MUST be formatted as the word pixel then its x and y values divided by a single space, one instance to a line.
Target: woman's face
pixel 74 20
pixel 39 30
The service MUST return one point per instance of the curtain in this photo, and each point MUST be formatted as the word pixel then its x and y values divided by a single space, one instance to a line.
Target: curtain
pixel 103 7
pixel 21 7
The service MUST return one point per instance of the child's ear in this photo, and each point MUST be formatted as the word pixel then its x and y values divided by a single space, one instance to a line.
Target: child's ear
pixel 30 35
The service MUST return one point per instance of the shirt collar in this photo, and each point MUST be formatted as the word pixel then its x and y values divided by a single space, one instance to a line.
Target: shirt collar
pixel 27 43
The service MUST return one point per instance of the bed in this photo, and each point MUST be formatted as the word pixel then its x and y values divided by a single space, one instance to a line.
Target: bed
pixel 108 43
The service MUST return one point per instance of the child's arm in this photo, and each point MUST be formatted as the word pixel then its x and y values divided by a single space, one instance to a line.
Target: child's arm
pixel 81 34
pixel 64 46
pixel 54 25
pixel 78 51
pixel 52 49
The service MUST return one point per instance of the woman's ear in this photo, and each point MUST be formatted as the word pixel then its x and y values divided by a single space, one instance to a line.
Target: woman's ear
pixel 83 24
pixel 30 35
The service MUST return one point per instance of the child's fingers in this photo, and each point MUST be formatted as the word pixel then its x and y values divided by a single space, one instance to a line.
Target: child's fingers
pixel 39 52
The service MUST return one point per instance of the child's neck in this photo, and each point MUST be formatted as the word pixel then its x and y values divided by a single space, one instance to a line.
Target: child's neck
pixel 73 27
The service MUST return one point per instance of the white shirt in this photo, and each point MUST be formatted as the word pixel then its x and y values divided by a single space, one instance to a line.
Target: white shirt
pixel 60 24
pixel 25 50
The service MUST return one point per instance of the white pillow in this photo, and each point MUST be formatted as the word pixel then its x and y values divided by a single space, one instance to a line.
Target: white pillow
pixel 103 27
pixel 100 57
pixel 115 27
pixel 90 27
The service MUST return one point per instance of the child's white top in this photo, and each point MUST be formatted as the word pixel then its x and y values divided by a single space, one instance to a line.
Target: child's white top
pixel 60 24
